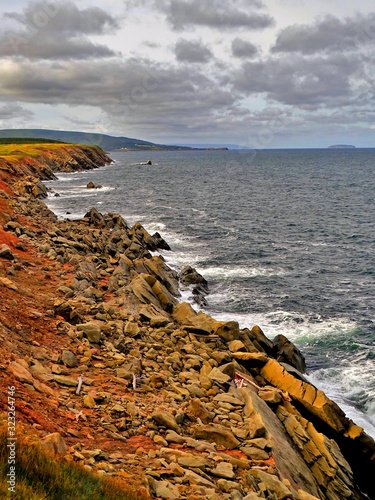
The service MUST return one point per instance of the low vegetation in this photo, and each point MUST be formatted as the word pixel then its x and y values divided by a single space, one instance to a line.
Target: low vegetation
pixel 27 140
pixel 40 477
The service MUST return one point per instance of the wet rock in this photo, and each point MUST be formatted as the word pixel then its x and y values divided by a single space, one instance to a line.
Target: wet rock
pixel 286 352
pixel 91 185
pixel 228 331
pixel 6 252
pixel 95 218
pixel 217 434
pixel 190 276
pixel 257 336
pixel 160 242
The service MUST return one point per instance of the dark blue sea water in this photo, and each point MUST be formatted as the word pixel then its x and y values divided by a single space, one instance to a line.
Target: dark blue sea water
pixel 286 239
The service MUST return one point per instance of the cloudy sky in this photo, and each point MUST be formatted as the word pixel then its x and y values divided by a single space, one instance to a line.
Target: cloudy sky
pixel 260 73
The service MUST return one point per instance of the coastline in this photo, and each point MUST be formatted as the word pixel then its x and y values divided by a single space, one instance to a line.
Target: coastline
pixel 115 308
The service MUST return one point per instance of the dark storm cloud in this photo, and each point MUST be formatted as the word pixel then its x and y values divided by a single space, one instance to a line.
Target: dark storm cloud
pixel 14 111
pixel 57 31
pixel 243 48
pixel 327 34
pixel 131 92
pixel 192 51
pixel 306 82
pixel 217 14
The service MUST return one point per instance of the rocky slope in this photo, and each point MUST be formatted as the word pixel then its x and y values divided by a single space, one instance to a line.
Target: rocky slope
pixel 171 400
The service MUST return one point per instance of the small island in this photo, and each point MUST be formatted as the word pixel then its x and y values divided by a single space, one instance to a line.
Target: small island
pixel 342 146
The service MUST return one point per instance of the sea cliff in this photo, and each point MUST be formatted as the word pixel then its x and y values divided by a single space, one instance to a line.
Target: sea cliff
pixel 172 401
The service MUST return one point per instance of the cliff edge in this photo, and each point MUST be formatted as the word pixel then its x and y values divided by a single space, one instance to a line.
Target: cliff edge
pixel 111 371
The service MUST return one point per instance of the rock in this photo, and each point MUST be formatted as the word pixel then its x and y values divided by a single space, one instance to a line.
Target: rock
pixel 286 352
pixel 257 336
pixel 228 398
pixel 173 437
pixel 95 218
pixel 69 359
pixel 218 434
pixel 149 290
pixel 197 408
pixel 64 380
pixel 252 496
pixel 54 444
pixel 218 376
pixel 194 478
pixel 192 461
pixel 88 401
pixel 270 395
pixel 131 328
pixel 9 284
pixel 228 331
pixel 228 486
pixel 160 440
pixel 254 453
pixel 236 346
pixel 160 242
pixel 190 276
pixel 224 470
pixel 303 495
pixel 6 252
pixel 251 359
pixel 167 490
pixel 91 330
pixel 272 484
pixel 165 419
pixel 20 373
pixel 91 185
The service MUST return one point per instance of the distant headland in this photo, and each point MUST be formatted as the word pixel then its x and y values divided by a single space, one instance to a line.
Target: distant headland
pixel 342 146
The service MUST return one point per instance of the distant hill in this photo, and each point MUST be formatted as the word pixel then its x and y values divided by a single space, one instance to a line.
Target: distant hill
pixel 107 142
pixel 341 146
pixel 214 146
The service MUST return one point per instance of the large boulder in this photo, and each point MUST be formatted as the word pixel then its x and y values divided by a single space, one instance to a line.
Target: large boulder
pixel 286 352
pixel 218 434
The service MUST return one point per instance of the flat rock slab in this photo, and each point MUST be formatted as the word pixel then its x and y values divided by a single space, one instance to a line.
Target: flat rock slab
pixel 218 434
pixel 64 380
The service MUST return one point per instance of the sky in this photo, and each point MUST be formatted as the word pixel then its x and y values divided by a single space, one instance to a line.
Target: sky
pixel 257 73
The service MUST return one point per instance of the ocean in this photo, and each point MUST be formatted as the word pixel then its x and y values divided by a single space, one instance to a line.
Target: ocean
pixel 285 238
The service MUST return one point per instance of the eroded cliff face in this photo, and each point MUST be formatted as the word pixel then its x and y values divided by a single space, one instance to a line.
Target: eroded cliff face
pixel 182 405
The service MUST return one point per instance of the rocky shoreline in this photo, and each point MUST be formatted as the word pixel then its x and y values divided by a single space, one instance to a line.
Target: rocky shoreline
pixel 181 405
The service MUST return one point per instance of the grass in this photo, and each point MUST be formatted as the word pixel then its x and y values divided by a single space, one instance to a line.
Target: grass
pixel 21 140
pixel 40 477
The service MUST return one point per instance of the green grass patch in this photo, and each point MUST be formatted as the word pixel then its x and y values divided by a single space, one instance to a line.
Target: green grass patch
pixel 40 477
pixel 27 140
